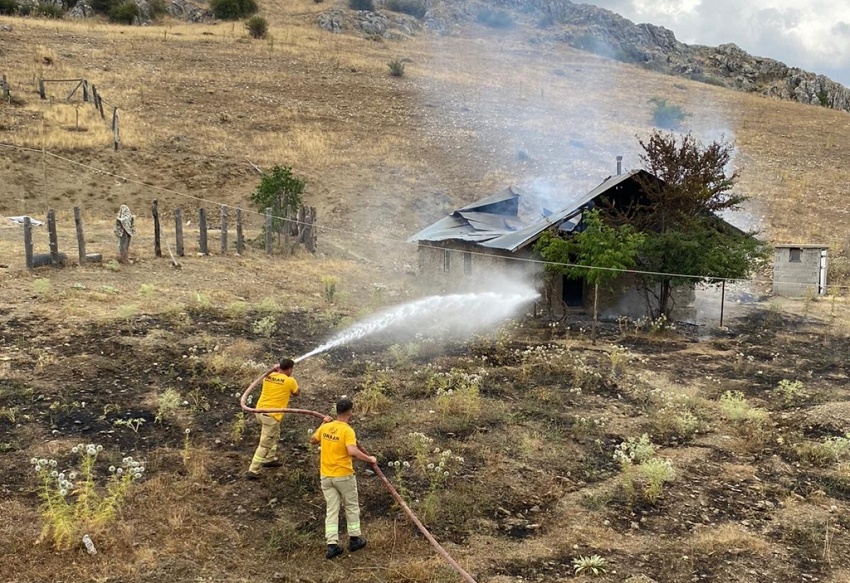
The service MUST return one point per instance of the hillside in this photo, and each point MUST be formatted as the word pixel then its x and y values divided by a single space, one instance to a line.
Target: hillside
pixel 745 479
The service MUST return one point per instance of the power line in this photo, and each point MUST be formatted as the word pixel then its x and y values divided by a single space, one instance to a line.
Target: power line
pixel 373 236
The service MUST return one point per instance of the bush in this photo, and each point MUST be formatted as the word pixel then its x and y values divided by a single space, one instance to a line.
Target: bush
pixel 124 13
pixel 362 5
pixel 396 68
pixel 666 115
pixel 494 18
pixel 157 8
pixel 8 6
pixel 233 9
pixel 103 6
pixel 415 8
pixel 257 26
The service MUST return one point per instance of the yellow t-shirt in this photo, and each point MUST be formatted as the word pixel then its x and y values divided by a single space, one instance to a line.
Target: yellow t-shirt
pixel 277 388
pixel 335 437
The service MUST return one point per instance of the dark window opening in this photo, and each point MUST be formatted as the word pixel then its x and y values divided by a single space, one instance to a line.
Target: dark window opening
pixel 796 255
pixel 467 263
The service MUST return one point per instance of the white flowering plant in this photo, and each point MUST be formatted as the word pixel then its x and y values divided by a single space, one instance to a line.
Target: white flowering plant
pixel 429 472
pixel 72 502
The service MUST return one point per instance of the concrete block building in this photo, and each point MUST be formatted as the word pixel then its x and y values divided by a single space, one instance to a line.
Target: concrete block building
pixel 799 270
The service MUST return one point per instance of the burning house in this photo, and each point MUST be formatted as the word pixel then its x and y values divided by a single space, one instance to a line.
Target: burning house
pixel 498 233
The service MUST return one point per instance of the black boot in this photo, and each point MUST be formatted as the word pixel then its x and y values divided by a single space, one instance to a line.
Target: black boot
pixel 355 543
pixel 334 550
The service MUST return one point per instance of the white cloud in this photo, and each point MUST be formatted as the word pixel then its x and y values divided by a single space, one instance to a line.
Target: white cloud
pixel 813 34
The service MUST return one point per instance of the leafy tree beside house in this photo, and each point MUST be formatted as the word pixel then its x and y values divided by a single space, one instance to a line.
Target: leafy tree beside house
pixel 598 254
pixel 679 218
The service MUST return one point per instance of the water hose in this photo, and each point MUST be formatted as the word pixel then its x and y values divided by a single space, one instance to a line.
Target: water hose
pixel 395 495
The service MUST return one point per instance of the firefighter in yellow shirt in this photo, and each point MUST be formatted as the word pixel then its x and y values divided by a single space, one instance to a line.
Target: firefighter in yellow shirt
pixel 339 485
pixel 278 386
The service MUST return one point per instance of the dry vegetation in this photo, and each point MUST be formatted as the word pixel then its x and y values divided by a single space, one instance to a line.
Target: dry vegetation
pixel 757 486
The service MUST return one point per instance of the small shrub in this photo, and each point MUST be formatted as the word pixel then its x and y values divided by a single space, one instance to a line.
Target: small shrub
pixel 257 26
pixel 415 8
pixel 655 473
pixel 233 9
pixel 48 11
pixel 735 408
pixel 168 403
pixel 102 6
pixel 265 327
pixel 593 565
pixel 362 5
pixel 833 449
pixel 73 504
pixel 634 450
pixel 665 115
pixel 157 8
pixel 330 282
pixel 791 392
pixel 494 18
pixel 147 291
pixel 238 428
pixel 124 13
pixel 113 266
pixel 373 397
pixel 8 6
pixel 396 68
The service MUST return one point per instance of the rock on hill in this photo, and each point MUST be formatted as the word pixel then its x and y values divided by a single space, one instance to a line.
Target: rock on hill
pixel 601 31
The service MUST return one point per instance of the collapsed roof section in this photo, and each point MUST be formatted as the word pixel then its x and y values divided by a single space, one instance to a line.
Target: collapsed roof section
pixel 494 221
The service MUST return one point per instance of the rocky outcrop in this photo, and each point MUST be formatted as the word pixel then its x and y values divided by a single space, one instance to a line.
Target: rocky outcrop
pixel 188 11
pixel 601 31
pixel 370 24
pixel 81 9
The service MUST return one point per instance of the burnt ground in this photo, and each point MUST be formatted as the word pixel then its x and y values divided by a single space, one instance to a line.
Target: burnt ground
pixel 538 486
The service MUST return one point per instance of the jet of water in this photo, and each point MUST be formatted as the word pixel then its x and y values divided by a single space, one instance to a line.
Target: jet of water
pixel 455 315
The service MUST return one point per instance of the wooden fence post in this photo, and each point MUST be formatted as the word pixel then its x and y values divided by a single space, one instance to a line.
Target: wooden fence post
pixel 268 231
pixel 310 242
pixel 85 91
pixel 178 229
pixel 41 92
pixel 5 84
pixel 124 246
pixel 202 225
pixel 116 137
pixel 224 212
pixel 94 95
pixel 240 241
pixel 81 240
pixel 157 246
pixel 54 238
pixel 28 242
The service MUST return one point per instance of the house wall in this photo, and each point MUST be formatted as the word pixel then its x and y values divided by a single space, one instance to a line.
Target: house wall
pixel 797 279
pixel 487 270
pixel 474 269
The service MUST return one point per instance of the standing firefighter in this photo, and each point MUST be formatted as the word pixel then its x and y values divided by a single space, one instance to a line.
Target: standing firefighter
pixel 339 485
pixel 278 386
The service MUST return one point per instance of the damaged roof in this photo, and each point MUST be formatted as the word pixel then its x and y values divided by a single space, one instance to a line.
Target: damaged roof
pixel 494 221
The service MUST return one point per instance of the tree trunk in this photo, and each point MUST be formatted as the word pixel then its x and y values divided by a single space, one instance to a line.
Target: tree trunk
pixel 595 312
pixel 664 298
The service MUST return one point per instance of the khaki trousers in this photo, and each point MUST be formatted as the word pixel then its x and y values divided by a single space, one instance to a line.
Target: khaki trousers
pixel 341 491
pixel 269 436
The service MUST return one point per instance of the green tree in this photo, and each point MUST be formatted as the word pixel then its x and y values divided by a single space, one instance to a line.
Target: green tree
pixel 598 254
pixel 280 190
pixel 686 189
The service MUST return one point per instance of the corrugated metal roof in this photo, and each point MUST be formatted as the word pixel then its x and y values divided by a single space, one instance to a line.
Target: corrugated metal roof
pixel 495 231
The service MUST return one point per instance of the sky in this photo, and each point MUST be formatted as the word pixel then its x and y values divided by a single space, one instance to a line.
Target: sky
pixel 811 34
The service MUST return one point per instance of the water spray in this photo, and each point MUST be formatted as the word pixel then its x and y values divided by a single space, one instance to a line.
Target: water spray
pixel 458 315
pixel 387 484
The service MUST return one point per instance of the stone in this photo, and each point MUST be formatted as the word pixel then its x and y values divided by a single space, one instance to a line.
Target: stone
pixel 81 10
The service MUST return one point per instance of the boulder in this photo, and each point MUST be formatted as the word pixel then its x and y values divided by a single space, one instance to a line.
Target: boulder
pixel 81 10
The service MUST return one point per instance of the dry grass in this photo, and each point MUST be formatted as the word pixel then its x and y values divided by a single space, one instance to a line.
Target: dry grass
pixel 727 538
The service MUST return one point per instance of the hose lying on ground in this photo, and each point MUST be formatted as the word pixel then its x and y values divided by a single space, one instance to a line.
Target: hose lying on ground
pixel 399 500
